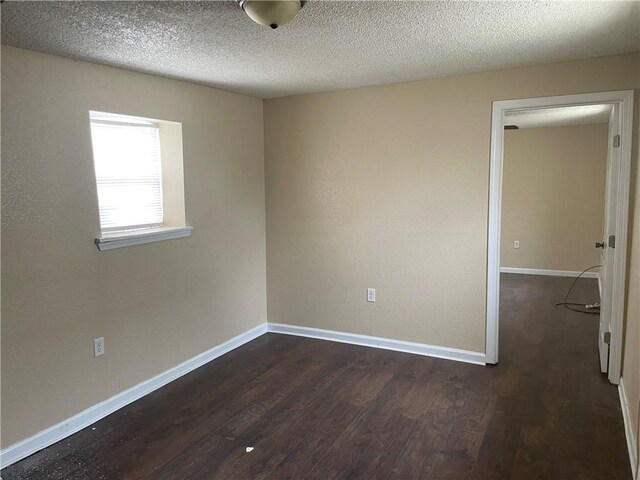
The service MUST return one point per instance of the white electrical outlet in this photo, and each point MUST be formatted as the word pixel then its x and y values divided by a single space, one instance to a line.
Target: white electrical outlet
pixel 371 294
pixel 516 244
pixel 98 347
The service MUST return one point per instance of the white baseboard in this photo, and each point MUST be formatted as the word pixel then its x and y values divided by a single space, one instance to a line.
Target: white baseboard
pixel 551 273
pixel 68 427
pixel 632 442
pixel 53 434
pixel 477 358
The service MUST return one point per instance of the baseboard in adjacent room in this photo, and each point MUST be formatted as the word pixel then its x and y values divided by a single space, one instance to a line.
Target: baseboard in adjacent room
pixel 467 356
pixel 632 442
pixel 68 427
pixel 551 273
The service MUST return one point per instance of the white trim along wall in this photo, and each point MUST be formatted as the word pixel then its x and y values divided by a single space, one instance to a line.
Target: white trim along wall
pixel 550 273
pixel 380 342
pixel 72 425
pixel 632 441
pixel 68 427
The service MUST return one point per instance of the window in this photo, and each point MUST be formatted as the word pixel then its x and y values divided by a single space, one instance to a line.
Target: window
pixel 128 174
pixel 130 154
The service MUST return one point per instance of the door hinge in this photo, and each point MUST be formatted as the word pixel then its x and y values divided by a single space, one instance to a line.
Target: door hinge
pixel 616 141
pixel 607 338
pixel 612 241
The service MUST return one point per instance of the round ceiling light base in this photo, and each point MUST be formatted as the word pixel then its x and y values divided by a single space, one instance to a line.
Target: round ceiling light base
pixel 271 13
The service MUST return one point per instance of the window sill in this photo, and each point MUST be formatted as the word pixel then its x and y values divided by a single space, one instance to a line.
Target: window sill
pixel 109 241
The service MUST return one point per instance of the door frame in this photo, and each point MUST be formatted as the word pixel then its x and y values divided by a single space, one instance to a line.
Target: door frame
pixel 624 99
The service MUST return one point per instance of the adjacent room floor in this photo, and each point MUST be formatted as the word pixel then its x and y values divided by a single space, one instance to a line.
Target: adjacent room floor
pixel 317 409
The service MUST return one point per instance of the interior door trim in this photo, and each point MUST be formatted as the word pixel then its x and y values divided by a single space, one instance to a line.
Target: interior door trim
pixel 624 100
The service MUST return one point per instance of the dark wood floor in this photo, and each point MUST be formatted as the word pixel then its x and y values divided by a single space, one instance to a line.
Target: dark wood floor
pixel 317 409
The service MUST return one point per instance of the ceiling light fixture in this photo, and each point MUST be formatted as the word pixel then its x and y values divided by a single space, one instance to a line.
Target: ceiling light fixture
pixel 271 13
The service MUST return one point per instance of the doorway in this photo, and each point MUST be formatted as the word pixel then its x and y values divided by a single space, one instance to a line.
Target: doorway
pixel 620 111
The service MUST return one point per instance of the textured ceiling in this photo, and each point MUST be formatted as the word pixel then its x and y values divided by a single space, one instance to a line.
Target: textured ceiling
pixel 330 45
pixel 559 116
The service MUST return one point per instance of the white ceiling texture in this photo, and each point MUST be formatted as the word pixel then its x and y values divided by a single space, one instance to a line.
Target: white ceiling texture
pixel 330 44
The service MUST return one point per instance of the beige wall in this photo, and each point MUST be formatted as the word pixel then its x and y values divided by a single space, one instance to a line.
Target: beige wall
pixel 157 304
pixel 381 187
pixel 553 190
pixel 631 358
pixel 387 187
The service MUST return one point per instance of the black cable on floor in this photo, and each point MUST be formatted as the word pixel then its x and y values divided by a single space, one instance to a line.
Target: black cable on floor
pixel 571 305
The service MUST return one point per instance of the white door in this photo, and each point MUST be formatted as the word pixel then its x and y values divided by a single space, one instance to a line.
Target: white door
pixel 608 239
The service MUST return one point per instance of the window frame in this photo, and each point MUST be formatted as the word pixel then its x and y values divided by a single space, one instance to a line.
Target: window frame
pixel 171 158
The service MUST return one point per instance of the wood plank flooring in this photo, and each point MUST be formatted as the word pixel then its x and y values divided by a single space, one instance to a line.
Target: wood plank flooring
pixel 320 410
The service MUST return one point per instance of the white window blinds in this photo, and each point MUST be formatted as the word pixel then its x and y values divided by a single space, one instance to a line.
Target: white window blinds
pixel 128 172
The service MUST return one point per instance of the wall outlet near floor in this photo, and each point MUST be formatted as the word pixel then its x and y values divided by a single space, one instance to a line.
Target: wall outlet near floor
pixel 98 346
pixel 371 294
pixel 516 244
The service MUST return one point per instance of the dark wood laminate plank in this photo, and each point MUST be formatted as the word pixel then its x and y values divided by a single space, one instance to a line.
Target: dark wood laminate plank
pixel 316 409
pixel 343 395
pixel 274 430
pixel 386 437
pixel 140 453
pixel 98 451
pixel 501 441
